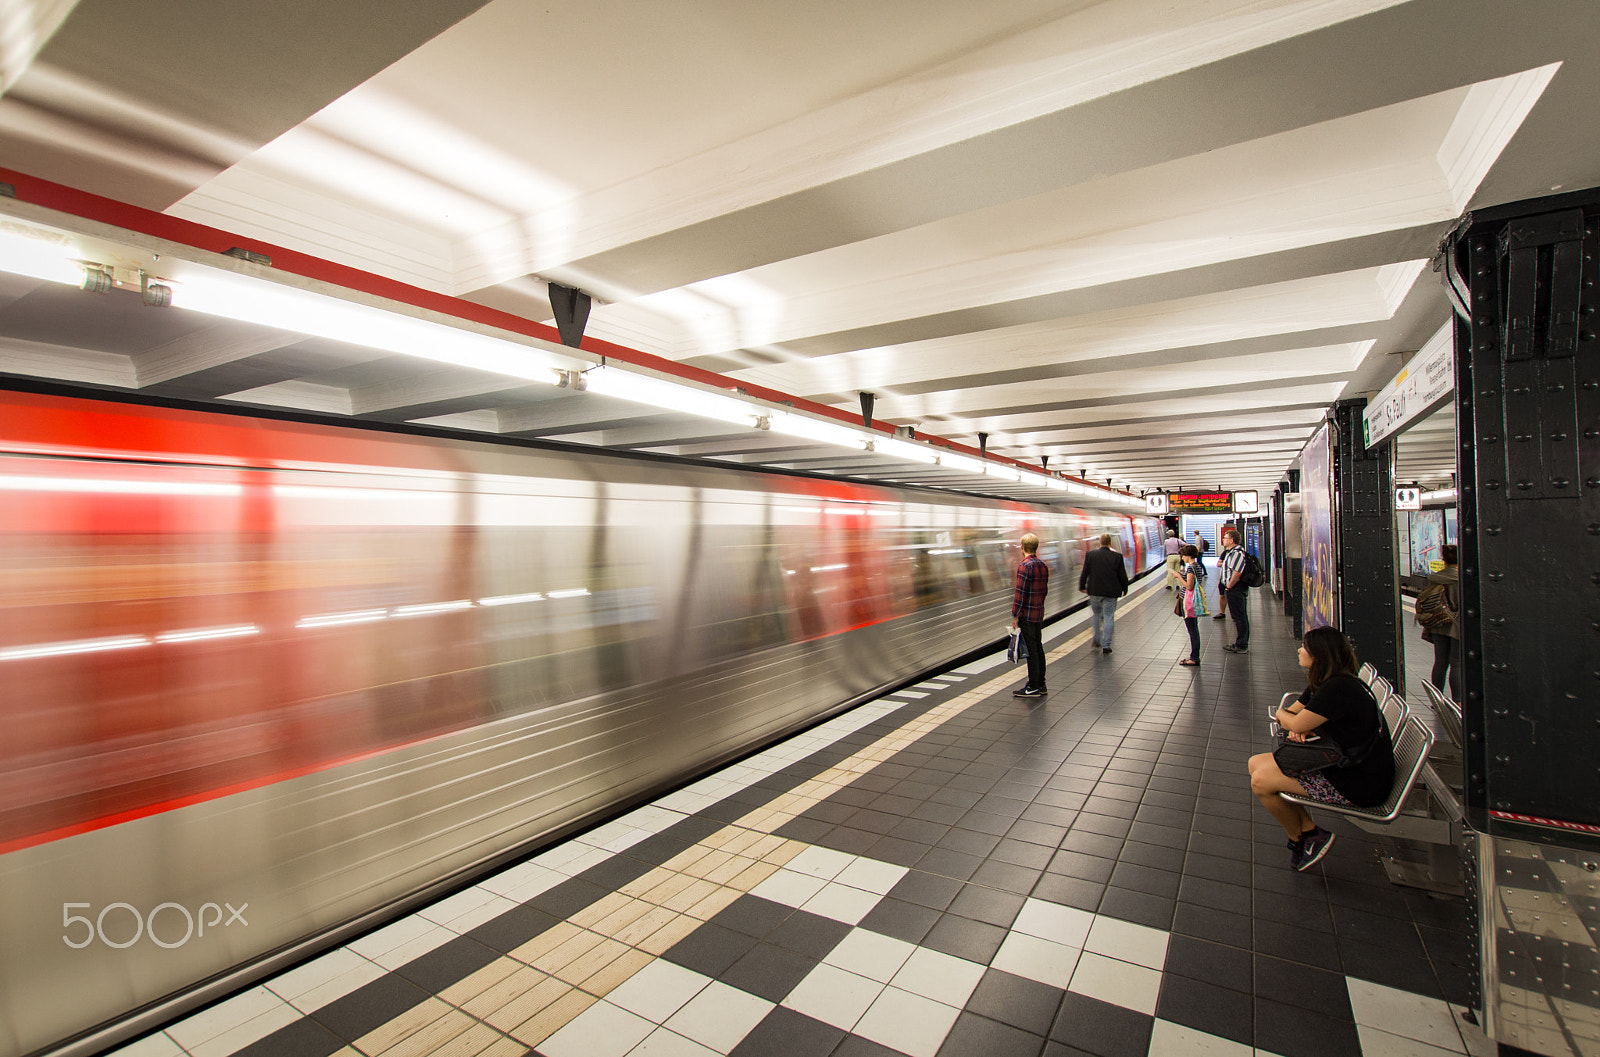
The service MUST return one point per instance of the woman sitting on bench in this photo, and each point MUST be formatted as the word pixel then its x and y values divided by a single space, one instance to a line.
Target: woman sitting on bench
pixel 1337 706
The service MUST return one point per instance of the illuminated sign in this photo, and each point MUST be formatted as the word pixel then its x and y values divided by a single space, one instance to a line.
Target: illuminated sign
pixel 1408 499
pixel 1200 502
pixel 1246 503
pixel 1418 390
pixel 1155 504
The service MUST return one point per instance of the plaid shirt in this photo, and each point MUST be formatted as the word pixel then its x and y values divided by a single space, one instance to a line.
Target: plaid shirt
pixel 1033 580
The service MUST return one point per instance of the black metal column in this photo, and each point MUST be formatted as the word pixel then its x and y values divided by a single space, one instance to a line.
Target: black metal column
pixel 1369 590
pixel 1522 278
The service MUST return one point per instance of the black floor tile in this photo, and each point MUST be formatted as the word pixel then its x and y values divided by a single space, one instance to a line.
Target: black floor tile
pixel 1079 864
pixel 1392 968
pixel 974 1034
pixel 1070 891
pixel 1310 914
pixel 710 949
pixel 809 934
pixel 1044 834
pixel 1146 879
pixel 1015 1000
pixel 902 920
pixel 302 1038
pixel 768 971
pixel 988 905
pixel 1102 1028
pixel 899 851
pixel 1306 946
pixel 1218 926
pixel 1006 877
pixel 1295 1031
pixel 1023 853
pixel 1141 908
pixel 512 929
pixel 447 964
pixel 1214 963
pixel 1357 928
pixel 1206 1007
pixel 1296 983
pixel 856 1046
pixel 927 889
pixel 969 842
pixel 1154 855
pixel 611 874
pixel 567 898
pixel 783 1031
pixel 752 916
pixel 1092 844
pixel 1108 825
pixel 955 865
pixel 1218 895
pixel 976 941
pixel 369 1006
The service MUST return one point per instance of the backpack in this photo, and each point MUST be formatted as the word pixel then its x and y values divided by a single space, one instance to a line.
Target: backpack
pixel 1251 575
pixel 1433 607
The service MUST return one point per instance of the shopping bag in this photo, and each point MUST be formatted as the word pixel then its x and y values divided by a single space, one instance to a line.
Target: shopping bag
pixel 1016 648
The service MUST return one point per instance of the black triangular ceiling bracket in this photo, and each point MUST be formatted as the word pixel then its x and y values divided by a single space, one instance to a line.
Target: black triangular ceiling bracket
pixel 571 308
pixel 867 400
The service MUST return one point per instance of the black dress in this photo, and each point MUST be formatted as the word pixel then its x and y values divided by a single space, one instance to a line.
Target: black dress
pixel 1352 720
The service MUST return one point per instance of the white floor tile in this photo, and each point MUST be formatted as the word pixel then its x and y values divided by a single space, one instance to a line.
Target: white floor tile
pixel 1403 1013
pixel 720 1016
pixel 392 936
pixel 658 990
pixel 1473 1040
pixel 504 882
pixel 842 903
pixel 302 978
pixel 870 875
pixel 1120 983
pixel 1037 959
pixel 789 888
pixel 907 1022
pixel 833 996
pixel 1375 1043
pixel 225 1016
pixel 241 1035
pixel 664 1043
pixel 820 862
pixel 308 998
pixel 1052 921
pixel 912 694
pixel 435 937
pixel 1128 942
pixel 941 977
pixel 602 1030
pixel 152 1046
pixel 1174 1040
pixel 870 954
pixel 463 918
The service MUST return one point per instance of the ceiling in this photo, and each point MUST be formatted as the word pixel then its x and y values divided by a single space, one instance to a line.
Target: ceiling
pixel 1148 241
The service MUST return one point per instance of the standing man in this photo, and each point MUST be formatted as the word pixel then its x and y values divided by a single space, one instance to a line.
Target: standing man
pixel 1174 562
pixel 1104 579
pixel 1231 568
pixel 1027 613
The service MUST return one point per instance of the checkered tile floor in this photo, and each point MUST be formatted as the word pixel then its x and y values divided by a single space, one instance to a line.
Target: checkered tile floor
pixel 947 871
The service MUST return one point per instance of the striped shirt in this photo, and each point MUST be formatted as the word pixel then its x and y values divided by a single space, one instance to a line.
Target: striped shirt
pixel 1232 562
pixel 1033 580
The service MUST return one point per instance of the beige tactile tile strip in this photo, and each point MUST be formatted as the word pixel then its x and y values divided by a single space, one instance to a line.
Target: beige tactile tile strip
pixel 535 990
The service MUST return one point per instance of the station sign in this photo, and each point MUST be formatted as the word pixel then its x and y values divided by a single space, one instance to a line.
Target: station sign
pixel 1155 504
pixel 1247 502
pixel 1408 499
pixel 1416 392
pixel 1200 502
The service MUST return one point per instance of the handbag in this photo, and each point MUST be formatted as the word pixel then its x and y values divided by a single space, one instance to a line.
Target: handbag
pixel 1017 648
pixel 1302 757
pixel 1177 603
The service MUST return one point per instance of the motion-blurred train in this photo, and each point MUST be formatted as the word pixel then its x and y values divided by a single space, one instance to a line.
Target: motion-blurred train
pixel 324 671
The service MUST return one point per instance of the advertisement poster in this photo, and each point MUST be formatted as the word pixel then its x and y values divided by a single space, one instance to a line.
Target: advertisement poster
pixel 1319 588
pixel 1427 535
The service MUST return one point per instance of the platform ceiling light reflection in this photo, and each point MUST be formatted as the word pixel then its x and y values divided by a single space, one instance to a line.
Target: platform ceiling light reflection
pixel 231 631
pixel 955 461
pixel 427 608
pixel 24 483
pixel 571 592
pixel 334 620
pixel 512 600
pixel 669 396
pixel 63 649
pixel 816 429
pixel 38 255
pixel 217 293
pixel 829 568
pixel 902 449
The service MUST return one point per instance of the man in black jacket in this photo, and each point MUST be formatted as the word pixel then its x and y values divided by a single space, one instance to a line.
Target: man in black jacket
pixel 1104 578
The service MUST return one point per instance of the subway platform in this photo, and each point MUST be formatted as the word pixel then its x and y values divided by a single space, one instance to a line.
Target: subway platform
pixel 946 871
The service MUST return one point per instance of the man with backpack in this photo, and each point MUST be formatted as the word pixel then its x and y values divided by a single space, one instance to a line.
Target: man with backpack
pixel 1238 572
pixel 1437 607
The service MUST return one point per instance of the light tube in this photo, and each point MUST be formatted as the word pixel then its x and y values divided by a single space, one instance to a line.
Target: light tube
pixel 426 608
pixel 570 592
pixel 271 305
pixel 1005 473
pixel 828 568
pixel 669 396
pixel 38 258
pixel 1075 488
pixel 957 461
pixel 1057 483
pixel 511 600
pixel 1035 480
pixel 62 649
pixel 22 483
pixel 233 631
pixel 902 449
pixel 800 509
pixel 334 620
pixel 815 429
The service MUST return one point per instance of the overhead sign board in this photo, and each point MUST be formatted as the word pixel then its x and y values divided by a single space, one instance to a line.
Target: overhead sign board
pixel 1408 499
pixel 1200 502
pixel 1155 504
pixel 1246 502
pixel 1425 383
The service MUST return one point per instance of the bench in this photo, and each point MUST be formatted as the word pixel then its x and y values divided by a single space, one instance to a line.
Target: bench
pixel 1448 713
pixel 1410 755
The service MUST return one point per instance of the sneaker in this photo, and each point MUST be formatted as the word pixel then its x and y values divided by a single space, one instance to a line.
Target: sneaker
pixel 1237 648
pixel 1029 691
pixel 1219 616
pixel 1313 845
pixel 1230 648
pixel 1105 649
pixel 1095 645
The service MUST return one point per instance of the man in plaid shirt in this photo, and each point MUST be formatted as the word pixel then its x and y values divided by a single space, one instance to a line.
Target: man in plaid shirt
pixel 1027 613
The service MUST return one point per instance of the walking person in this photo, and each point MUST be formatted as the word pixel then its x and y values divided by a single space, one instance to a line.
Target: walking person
pixel 1230 570
pixel 1027 613
pixel 1193 578
pixel 1439 613
pixel 1104 578
pixel 1174 563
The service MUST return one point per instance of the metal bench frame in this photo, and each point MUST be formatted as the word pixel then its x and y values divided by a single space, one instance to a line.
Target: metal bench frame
pixel 1411 748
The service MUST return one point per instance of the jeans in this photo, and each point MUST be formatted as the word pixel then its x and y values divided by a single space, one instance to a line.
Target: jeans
pixel 1193 624
pixel 1447 655
pixel 1241 617
pixel 1033 637
pixel 1104 608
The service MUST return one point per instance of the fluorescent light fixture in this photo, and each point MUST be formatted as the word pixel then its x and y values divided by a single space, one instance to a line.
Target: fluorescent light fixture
pixel 428 608
pixel 853 511
pixel 881 512
pixel 1057 483
pixel 828 568
pixel 569 592
pixel 1443 493
pixel 1035 480
pixel 334 620
pixel 949 550
pixel 1075 488
pixel 38 257
pixel 669 396
pixel 800 509
pixel 217 293
pixel 22 483
pixel 63 649
pixel 232 631
pixel 956 461
pixel 903 449
pixel 511 600
pixel 793 425
pixel 1005 473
